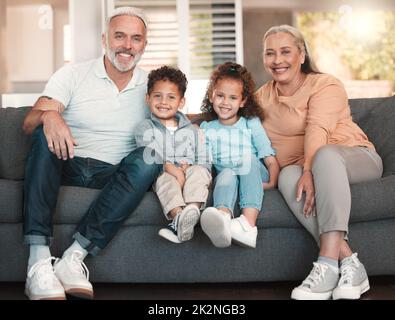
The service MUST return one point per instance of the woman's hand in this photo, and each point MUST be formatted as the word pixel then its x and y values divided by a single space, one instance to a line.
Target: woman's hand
pixel 306 185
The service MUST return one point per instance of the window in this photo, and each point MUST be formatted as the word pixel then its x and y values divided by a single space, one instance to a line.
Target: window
pixel 195 35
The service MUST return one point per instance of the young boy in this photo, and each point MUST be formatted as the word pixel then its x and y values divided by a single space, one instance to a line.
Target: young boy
pixel 182 188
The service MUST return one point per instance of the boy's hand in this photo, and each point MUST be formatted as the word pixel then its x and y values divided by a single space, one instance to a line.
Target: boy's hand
pixel 184 166
pixel 177 173
pixel 180 176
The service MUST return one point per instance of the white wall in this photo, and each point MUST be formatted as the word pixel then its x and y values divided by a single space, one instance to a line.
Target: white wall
pixel 29 42
pixel 24 42
pixel 86 24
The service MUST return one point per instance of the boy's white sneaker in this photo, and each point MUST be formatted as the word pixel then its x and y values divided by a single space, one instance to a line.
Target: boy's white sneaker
pixel 41 282
pixel 183 225
pixel 243 233
pixel 216 224
pixel 189 218
pixel 319 284
pixel 353 279
pixel 74 275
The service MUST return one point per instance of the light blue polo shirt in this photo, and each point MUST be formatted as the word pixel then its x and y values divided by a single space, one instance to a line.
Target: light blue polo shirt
pixel 102 119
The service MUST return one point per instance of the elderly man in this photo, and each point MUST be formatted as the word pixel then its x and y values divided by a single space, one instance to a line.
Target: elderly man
pixel 82 135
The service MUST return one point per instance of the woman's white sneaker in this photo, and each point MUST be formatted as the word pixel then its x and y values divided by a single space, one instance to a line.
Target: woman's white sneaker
pixel 243 233
pixel 42 283
pixel 216 224
pixel 319 284
pixel 74 275
pixel 353 280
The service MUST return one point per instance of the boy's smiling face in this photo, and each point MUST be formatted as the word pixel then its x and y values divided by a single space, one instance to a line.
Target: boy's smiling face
pixel 165 100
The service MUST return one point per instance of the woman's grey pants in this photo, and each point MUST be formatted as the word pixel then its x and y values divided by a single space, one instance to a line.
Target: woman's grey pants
pixel 335 167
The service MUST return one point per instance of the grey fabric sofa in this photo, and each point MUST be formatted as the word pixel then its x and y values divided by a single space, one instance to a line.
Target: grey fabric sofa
pixel 285 251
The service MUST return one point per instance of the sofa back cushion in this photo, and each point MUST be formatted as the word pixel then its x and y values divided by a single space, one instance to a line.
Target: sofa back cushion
pixel 14 144
pixel 376 117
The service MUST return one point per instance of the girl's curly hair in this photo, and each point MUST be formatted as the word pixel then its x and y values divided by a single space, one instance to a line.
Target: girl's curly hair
pixel 231 70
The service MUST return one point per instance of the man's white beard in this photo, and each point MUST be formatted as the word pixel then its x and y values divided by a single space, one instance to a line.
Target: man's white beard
pixel 112 56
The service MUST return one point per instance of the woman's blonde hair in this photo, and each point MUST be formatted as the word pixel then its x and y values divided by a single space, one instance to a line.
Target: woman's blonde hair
pixel 308 66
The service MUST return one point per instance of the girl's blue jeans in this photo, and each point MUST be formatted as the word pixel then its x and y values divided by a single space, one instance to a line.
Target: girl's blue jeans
pixel 248 185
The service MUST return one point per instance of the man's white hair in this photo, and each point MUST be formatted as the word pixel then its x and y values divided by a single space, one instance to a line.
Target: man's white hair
pixel 127 11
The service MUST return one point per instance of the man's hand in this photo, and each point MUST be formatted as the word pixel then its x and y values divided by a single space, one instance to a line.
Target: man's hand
pixel 58 135
pixel 306 184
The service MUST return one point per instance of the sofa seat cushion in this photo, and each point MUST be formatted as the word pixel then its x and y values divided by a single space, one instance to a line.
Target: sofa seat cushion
pixel 11 201
pixel 73 202
pixel 371 200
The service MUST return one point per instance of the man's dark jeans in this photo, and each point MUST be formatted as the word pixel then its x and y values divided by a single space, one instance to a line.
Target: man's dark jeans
pixel 123 187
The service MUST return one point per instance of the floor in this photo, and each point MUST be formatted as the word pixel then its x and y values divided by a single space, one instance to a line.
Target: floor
pixel 382 288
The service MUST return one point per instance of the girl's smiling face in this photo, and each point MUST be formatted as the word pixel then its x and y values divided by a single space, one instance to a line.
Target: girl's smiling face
pixel 227 99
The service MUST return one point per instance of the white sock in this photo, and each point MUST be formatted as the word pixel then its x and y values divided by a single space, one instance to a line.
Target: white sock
pixel 37 252
pixel 76 247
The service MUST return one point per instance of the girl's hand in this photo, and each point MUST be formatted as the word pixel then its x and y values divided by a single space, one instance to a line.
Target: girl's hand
pixel 306 185
pixel 267 186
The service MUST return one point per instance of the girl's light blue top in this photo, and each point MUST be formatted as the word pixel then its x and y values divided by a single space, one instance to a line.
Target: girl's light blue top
pixel 231 146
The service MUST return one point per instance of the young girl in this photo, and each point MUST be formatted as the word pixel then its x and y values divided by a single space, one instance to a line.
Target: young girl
pixel 241 153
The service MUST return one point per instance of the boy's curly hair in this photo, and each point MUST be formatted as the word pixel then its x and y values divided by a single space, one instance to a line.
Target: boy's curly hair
pixel 231 70
pixel 171 74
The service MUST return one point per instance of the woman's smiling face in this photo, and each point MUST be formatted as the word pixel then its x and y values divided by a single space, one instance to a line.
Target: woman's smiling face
pixel 282 58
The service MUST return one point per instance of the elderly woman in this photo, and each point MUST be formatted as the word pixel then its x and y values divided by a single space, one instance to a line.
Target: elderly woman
pixel 320 151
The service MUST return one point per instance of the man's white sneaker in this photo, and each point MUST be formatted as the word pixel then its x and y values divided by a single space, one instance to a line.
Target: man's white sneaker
pixel 183 225
pixel 319 284
pixel 242 233
pixel 353 279
pixel 216 224
pixel 74 275
pixel 41 282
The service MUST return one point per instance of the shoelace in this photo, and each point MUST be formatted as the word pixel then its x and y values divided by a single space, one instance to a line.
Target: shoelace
pixel 77 265
pixel 43 270
pixel 173 225
pixel 316 275
pixel 348 268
